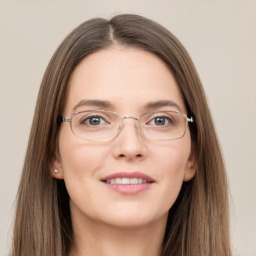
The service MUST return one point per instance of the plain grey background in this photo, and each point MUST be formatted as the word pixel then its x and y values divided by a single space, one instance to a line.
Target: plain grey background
pixel 221 39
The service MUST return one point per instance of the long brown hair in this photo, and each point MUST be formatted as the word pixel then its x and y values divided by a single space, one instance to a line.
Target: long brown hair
pixel 198 222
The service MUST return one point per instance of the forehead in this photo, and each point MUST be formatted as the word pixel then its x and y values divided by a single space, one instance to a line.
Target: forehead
pixel 129 78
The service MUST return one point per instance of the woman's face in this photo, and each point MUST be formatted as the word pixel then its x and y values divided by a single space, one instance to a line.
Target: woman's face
pixel 130 82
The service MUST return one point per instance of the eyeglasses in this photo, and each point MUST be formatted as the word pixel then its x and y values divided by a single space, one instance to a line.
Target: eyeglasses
pixel 102 125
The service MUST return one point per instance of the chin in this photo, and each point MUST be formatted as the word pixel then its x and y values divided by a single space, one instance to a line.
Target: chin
pixel 132 219
pixel 129 223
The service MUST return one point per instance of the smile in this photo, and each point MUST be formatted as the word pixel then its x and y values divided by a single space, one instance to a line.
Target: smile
pixel 127 181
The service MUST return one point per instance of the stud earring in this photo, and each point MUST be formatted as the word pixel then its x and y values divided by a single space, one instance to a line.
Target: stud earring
pixel 55 171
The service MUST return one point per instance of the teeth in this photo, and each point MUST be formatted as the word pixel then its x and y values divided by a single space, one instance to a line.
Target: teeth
pixel 126 181
pixel 134 181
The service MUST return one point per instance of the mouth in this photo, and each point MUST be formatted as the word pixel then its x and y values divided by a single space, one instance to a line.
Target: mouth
pixel 125 181
pixel 128 182
pixel 128 178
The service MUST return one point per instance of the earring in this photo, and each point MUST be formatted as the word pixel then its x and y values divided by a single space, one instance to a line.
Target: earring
pixel 55 171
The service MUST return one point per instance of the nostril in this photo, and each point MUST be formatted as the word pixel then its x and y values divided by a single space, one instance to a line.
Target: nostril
pixel 136 156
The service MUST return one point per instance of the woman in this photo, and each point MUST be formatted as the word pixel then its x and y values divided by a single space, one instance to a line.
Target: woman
pixel 122 156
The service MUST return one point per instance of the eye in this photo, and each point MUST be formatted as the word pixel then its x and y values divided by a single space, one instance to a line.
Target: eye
pixel 160 121
pixel 94 121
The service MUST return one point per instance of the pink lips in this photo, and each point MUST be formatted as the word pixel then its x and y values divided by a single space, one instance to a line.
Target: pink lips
pixel 129 189
pixel 128 175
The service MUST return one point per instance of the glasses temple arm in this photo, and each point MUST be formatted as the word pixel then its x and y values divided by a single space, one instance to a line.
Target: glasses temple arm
pixel 191 120
pixel 61 119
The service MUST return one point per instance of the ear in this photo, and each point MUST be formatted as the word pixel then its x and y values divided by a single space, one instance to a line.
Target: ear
pixel 56 168
pixel 191 165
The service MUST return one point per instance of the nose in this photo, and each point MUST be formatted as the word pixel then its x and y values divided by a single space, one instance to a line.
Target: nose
pixel 129 144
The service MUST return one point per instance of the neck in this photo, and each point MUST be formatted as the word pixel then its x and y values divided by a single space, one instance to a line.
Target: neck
pixel 105 240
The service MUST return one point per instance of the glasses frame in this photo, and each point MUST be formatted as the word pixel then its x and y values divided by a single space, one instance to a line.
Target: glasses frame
pixel 62 119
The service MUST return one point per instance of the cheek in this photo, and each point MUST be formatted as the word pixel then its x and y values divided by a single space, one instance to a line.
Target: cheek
pixel 79 159
pixel 170 168
pixel 172 160
pixel 81 164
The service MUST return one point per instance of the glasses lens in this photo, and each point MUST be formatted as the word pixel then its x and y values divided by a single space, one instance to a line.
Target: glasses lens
pixel 93 125
pixel 164 125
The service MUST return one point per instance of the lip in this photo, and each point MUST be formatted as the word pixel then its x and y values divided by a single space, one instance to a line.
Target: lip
pixel 129 189
pixel 128 175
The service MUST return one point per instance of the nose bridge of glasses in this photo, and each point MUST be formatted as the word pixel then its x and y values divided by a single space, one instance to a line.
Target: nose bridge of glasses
pixel 132 117
pixel 128 117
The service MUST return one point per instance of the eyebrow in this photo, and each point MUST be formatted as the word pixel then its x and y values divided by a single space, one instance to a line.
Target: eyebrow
pixel 93 103
pixel 162 103
pixel 108 105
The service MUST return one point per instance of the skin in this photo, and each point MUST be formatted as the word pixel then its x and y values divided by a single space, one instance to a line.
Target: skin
pixel 106 222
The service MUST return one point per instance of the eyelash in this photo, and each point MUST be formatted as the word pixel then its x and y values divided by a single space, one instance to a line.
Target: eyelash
pixel 168 119
pixel 89 118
